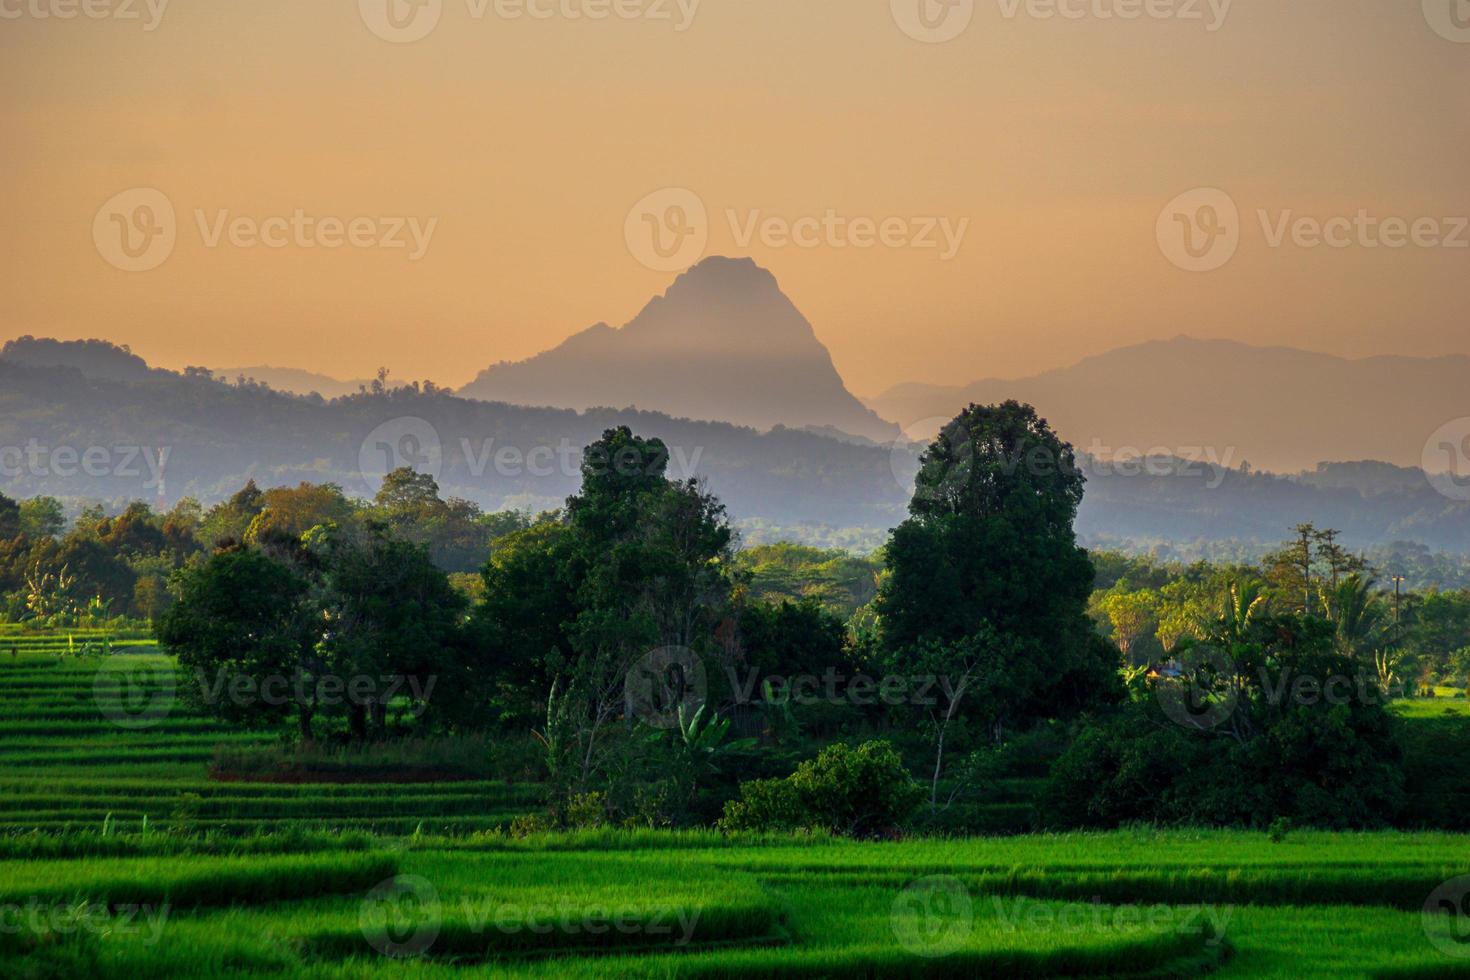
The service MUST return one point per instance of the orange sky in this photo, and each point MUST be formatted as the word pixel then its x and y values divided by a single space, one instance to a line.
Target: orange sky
pixel 522 143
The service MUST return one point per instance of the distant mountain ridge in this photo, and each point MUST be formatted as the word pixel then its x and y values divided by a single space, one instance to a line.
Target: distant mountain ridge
pixel 1281 409
pixel 722 344
pixel 209 437
pixel 294 381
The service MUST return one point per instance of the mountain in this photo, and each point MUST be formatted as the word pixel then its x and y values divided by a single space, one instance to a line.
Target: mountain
pixel 161 436
pixel 172 435
pixel 1280 409
pixel 294 381
pixel 724 343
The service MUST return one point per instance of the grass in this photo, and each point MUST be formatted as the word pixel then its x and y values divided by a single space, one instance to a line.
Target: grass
pixel 306 865
pixel 554 907
pixel 191 881
pixel 77 727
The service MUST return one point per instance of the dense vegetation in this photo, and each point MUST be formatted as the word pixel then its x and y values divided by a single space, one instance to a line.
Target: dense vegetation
pixel 625 654
pixel 300 725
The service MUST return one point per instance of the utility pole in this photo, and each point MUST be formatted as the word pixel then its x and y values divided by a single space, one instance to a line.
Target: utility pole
pixel 1398 580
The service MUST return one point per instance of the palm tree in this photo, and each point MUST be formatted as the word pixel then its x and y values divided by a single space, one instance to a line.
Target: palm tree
pixel 1245 602
pixel 1359 614
pixel 1364 626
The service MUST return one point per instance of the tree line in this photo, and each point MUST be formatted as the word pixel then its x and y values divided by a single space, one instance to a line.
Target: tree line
pixel 650 671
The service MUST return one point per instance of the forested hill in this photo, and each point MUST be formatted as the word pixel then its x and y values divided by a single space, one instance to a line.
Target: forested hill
pixel 215 436
pixel 218 435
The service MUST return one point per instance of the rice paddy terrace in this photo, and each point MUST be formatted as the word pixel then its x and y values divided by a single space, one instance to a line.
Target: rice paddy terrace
pixel 121 857
pixel 95 729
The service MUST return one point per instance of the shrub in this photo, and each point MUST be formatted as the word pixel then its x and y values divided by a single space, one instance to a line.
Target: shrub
pixel 857 792
pixel 1327 762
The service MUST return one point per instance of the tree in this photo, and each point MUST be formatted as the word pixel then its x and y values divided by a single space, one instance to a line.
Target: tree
pixel 1183 612
pixel 636 562
pixel 1359 615
pixel 793 639
pixel 390 613
pixel 1311 566
pixel 840 581
pixel 1303 735
pixel 1133 616
pixel 1240 607
pixel 135 531
pixel 987 571
pixel 41 517
pixel 1436 627
pixel 406 492
pixel 244 615
pixel 181 528
pixel 648 561
pixel 990 547
pixel 290 512
pixel 231 520
pixel 522 624
pixel 456 532
pixel 10 518
pixel 97 567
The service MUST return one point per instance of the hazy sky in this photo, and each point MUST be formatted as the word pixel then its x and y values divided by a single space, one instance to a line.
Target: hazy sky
pixel 517 146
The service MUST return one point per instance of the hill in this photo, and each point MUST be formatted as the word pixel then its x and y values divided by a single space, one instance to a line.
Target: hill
pixel 212 436
pixel 205 438
pixel 1281 409
pixel 95 358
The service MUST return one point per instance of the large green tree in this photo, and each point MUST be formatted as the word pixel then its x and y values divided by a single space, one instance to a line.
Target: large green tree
pixel 635 562
pixel 987 586
pixel 244 620
pixel 392 614
pixel 341 624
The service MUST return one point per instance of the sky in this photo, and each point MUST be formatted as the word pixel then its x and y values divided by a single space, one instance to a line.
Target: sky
pixel 974 188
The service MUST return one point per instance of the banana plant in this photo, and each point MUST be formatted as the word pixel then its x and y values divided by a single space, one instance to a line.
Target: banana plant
pixel 704 740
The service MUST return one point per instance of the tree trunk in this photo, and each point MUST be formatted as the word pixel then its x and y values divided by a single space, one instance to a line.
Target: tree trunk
pixel 357 722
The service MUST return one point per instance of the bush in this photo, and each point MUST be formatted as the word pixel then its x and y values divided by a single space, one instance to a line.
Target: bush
pixel 1320 762
pixel 859 792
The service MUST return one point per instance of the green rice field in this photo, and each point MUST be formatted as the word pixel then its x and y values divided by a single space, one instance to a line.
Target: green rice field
pixel 120 857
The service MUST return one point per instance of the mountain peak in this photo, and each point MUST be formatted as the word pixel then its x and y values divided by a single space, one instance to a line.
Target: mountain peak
pixel 725 271
pixel 722 343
